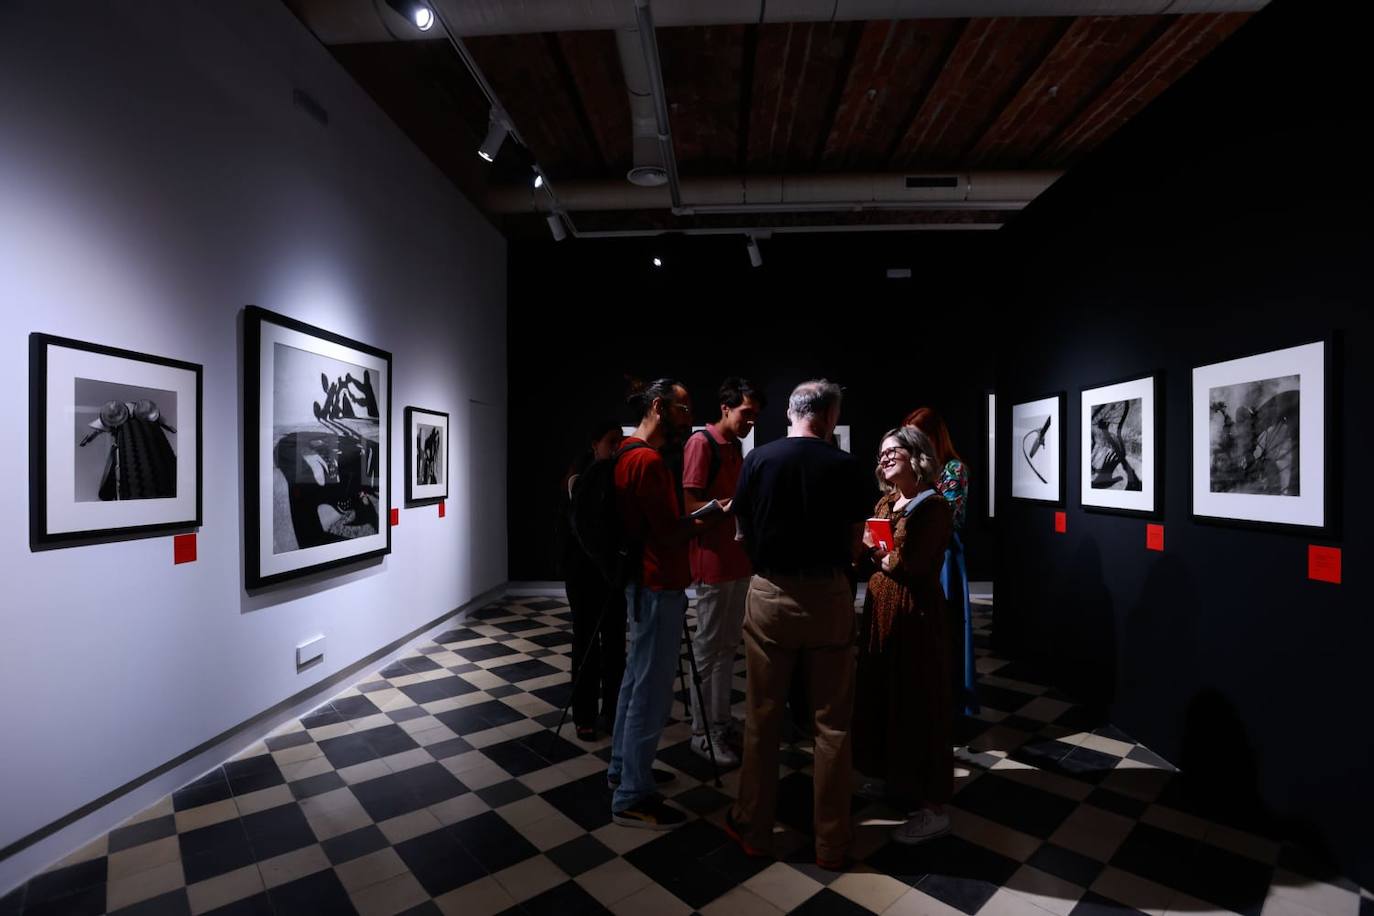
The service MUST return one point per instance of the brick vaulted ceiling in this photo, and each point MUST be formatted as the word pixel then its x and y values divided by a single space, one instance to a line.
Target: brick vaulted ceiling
pixel 785 99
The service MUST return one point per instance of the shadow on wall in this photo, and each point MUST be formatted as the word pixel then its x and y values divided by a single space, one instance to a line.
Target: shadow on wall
pixel 1159 666
pixel 1084 639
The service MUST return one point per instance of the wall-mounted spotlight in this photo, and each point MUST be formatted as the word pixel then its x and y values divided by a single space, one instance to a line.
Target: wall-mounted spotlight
pixel 658 262
pixel 414 11
pixel 556 227
pixel 751 244
pixel 538 180
pixel 496 135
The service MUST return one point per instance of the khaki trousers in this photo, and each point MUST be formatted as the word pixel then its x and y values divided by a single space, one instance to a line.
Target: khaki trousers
pixel 805 621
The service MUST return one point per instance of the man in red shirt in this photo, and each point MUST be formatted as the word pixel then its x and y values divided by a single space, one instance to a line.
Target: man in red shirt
pixel 657 531
pixel 720 566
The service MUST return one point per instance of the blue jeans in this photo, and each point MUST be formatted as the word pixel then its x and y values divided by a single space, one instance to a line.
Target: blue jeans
pixel 646 693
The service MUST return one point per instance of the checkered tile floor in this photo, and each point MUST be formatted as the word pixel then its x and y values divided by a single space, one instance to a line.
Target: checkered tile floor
pixel 437 786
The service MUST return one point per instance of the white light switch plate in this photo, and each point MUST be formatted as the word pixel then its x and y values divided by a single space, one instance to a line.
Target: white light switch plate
pixel 309 650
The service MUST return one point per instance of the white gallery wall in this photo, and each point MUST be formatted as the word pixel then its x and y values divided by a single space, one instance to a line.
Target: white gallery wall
pixel 155 178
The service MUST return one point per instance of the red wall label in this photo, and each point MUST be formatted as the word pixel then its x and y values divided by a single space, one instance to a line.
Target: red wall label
pixel 1154 537
pixel 1324 564
pixel 395 517
pixel 441 508
pixel 1061 522
pixel 184 548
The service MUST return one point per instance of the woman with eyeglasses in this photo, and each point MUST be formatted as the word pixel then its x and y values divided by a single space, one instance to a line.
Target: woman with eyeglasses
pixel 903 709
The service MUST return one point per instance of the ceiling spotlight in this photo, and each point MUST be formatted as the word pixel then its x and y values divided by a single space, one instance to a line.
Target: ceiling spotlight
pixel 752 245
pixel 414 11
pixel 556 227
pixel 496 135
pixel 538 180
pixel 658 262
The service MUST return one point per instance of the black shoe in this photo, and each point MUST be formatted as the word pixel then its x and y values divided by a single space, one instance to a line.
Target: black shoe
pixel 650 813
pixel 661 778
pixel 585 733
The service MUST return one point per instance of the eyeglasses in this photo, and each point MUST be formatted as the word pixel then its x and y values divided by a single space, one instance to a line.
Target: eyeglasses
pixel 895 452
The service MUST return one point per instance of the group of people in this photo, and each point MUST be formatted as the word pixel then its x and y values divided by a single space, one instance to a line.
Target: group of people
pixel 775 544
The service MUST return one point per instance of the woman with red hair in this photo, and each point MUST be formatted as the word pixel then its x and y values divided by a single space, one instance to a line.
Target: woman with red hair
pixel 952 483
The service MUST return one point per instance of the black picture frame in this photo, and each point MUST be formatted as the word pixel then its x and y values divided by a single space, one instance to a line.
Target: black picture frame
pixel 1157 386
pixel 428 498
pixel 257 321
pixel 1331 464
pixel 44 531
pixel 1061 440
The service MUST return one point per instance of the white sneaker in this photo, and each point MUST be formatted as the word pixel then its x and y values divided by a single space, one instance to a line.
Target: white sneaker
pixel 920 826
pixel 724 756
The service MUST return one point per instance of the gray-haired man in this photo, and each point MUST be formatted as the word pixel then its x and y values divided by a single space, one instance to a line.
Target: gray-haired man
pixel 801 505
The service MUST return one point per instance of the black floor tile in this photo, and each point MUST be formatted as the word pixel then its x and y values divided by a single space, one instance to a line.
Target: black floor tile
pixel 89 901
pixel 463 634
pixel 1066 864
pixel 503 793
pixel 1150 758
pixel 680 756
pixel 580 855
pixel 259 905
pixel 964 868
pixel 1042 753
pixel 253 774
pixel 210 788
pixel 1094 905
pixel 1162 856
pixel 1082 719
pixel 347 750
pixel 1117 803
pixel 1235 882
pixel 354 844
pixel 553 748
pixel 214 850
pixel 552 640
pixel 702 800
pixel 325 715
pixel 277 831
pixel 407 713
pixel 373 686
pixel 519 626
pixel 504 690
pixel 388 740
pixel 675 861
pixel 355 707
pixel 558 695
pixel 431 784
pixel 492 842
pixel 567 899
pixel 545 605
pixel 122 838
pixel 450 748
pixel 387 796
pixel 1088 765
pixel 428 908
pixel 1003 698
pixel 62 882
pixel 290 739
pixel 316 785
pixel 479 717
pixel 1021 723
pixel 525 671
pixel 419 664
pixel 729 860
pixel 514 757
pixel 439 862
pixel 439 689
pixel 1015 805
pixel 320 894
pixel 175 903
pixel 482 653
pixel 826 902
pixel 587 801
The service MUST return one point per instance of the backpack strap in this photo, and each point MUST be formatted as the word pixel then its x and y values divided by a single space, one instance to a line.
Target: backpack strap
pixel 713 469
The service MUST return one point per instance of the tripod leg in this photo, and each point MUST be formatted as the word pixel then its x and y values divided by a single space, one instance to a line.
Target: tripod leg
pixel 701 700
pixel 581 670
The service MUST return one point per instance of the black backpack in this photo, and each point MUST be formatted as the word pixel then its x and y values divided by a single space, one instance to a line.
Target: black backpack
pixel 595 519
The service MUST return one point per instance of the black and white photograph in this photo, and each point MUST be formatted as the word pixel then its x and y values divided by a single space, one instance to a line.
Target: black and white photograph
pixel 990 461
pixel 1259 438
pixel 317 451
pixel 1118 446
pixel 1037 443
pixel 115 442
pixel 426 455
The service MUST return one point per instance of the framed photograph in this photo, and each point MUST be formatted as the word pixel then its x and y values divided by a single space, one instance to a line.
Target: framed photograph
pixel 1259 439
pixel 114 443
pixel 1120 447
pixel 426 455
pixel 1037 446
pixel 990 419
pixel 317 453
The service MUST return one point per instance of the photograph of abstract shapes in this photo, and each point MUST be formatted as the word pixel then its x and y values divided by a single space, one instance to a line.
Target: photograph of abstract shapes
pixel 325 444
pixel 126 442
pixel 426 455
pixel 1119 449
pixel 107 457
pixel 1037 442
pixel 1259 438
pixel 1254 437
pixel 317 456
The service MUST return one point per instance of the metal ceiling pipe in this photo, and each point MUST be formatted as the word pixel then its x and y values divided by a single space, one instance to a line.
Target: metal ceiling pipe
pixel 775 230
pixel 648 170
pixel 347 21
pixel 792 193
pixel 644 19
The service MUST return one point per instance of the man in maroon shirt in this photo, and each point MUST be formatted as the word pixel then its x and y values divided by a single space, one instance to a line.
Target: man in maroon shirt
pixel 720 567
pixel 656 596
